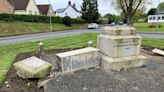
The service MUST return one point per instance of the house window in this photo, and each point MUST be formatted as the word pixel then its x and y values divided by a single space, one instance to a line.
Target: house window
pixel 150 18
pixel 154 18
pixel 30 12
pixel 162 17
pixel 159 18
pixel 35 12
pixel 66 14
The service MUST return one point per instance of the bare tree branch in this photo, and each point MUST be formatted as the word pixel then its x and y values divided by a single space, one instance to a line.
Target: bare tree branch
pixel 135 9
pixel 122 6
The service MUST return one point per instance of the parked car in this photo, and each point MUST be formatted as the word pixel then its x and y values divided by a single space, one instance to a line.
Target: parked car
pixel 113 24
pixel 93 26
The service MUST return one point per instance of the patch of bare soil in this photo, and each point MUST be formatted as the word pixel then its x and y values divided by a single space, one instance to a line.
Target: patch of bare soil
pixel 17 84
pixel 149 78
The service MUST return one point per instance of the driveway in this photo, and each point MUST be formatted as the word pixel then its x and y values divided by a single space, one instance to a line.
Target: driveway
pixel 40 36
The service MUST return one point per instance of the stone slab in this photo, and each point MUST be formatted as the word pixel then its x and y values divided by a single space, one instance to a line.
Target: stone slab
pixel 119 46
pixel 78 59
pixel 109 63
pixel 32 67
pixel 158 51
pixel 115 31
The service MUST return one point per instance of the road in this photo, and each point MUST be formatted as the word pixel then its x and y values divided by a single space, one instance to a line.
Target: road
pixel 40 36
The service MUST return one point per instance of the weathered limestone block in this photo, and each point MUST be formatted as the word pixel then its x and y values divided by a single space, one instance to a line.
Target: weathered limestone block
pixel 117 31
pixel 109 63
pixel 32 67
pixel 78 59
pixel 119 46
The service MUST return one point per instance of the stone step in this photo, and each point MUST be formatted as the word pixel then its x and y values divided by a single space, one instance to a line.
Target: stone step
pixel 117 64
pixel 78 59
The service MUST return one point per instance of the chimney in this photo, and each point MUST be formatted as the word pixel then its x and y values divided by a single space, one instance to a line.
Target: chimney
pixel 74 5
pixel 69 2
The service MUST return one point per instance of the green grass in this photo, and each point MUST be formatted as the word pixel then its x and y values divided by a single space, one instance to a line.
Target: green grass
pixel 21 28
pixel 159 43
pixel 144 27
pixel 9 52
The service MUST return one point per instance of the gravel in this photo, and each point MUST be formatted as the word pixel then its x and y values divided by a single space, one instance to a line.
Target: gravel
pixel 149 78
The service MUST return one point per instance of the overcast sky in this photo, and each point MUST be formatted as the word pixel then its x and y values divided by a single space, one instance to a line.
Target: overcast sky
pixel 104 5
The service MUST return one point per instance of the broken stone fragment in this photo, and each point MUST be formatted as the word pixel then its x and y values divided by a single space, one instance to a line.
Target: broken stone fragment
pixel 158 51
pixel 32 67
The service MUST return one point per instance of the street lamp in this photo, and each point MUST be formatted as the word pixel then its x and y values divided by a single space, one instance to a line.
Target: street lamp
pixel 50 17
pixel 157 24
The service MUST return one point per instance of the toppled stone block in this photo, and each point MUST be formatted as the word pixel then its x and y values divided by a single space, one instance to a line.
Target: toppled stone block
pixel 32 67
pixel 109 63
pixel 158 51
pixel 78 59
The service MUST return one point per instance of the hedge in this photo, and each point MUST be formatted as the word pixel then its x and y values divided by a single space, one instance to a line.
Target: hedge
pixel 34 18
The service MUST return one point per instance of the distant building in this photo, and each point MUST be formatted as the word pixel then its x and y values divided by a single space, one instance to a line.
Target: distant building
pixel 25 7
pixel 6 6
pixel 155 18
pixel 46 10
pixel 70 11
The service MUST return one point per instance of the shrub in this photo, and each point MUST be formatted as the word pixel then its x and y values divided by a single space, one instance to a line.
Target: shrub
pixel 67 21
pixel 34 18
pixel 153 25
pixel 103 21
pixel 77 20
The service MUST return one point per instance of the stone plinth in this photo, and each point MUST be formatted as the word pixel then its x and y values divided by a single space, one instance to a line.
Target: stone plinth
pixel 109 63
pixel 32 68
pixel 120 48
pixel 78 59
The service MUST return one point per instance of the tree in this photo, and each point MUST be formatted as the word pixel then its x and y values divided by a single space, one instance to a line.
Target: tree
pixel 139 15
pixel 90 11
pixel 112 18
pixel 152 11
pixel 161 7
pixel 129 8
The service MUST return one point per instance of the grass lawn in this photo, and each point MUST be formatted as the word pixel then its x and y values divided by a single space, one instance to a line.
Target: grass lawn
pixel 20 28
pixel 9 52
pixel 144 27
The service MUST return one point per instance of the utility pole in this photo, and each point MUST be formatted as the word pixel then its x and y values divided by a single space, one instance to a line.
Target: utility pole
pixel 51 29
pixel 157 24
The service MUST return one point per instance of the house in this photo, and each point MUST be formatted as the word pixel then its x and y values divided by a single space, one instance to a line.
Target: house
pixel 28 7
pixel 70 11
pixel 159 17
pixel 46 10
pixel 156 18
pixel 6 6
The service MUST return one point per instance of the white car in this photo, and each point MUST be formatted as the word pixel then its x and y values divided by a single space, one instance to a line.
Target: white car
pixel 93 26
pixel 113 24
